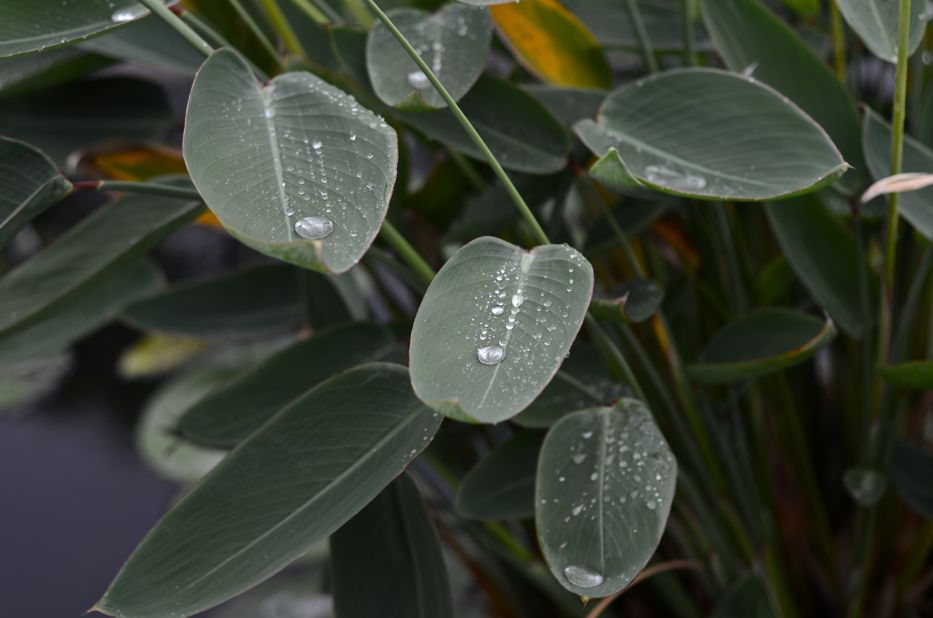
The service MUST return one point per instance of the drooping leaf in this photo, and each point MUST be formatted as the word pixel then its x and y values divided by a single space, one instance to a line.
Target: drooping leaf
pixel 294 168
pixel 495 325
pixel 552 43
pixel 522 134
pixel 50 68
pixel 453 42
pixel 915 206
pixel 391 550
pixel 567 104
pixel 605 485
pixel 149 42
pixel 44 24
pixel 749 598
pixel 825 258
pixel 760 343
pixel 910 469
pixel 276 495
pixel 21 383
pixel 230 414
pixel 916 375
pixel 611 23
pixel 876 22
pixel 709 134
pixel 244 304
pixel 502 486
pixel 751 38
pixel 635 301
pixel 31 183
pixel 866 486
pixel 294 593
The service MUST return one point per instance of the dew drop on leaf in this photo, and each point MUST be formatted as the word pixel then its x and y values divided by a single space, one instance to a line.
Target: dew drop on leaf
pixel 490 354
pixel 582 576
pixel 418 80
pixel 314 228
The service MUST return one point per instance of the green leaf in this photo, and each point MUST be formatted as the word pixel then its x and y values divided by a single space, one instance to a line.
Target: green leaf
pixel 484 2
pixel 751 37
pixel 567 104
pixel 826 259
pixel 150 42
pixel 866 486
pixel 31 183
pixel 230 414
pixel 523 135
pixel 708 134
pixel 876 22
pixel 156 355
pixel 43 24
pixel 295 168
pixel 453 41
pixel 747 599
pixel 23 382
pixel 249 303
pixel 495 325
pixel 50 68
pixel 293 593
pixel 502 486
pixel 294 482
pixel 637 301
pixel 916 375
pixel 910 469
pixel 914 205
pixel 605 485
pixel 611 23
pixel 804 7
pixel 391 548
pixel 760 343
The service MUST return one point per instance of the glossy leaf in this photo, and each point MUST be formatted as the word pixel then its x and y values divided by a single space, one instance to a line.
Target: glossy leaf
pixel 826 259
pixel 865 486
pixel 552 43
pixel 24 382
pixel 523 135
pixel 230 414
pixel 276 495
pixel 709 134
pixel 876 22
pixel 269 159
pixel 910 469
pixel 495 325
pixel 43 24
pixel 31 183
pixel 243 304
pixel 916 375
pixel 915 206
pixel 760 343
pixel 605 485
pixel 502 485
pixel 391 550
pixel 453 42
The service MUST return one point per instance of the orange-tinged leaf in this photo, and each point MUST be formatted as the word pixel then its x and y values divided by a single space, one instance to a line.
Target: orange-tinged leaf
pixel 136 162
pixel 552 43
pixel 208 218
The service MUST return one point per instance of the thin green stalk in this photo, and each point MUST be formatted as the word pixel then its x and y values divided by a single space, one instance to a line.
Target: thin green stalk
pixel 166 15
pixel 644 41
pixel 912 304
pixel 611 350
pixel 408 253
pixel 280 22
pixel 510 188
pixel 731 258
pixel 690 53
pixel 148 188
pixel 839 43
pixel 257 32
pixel 321 13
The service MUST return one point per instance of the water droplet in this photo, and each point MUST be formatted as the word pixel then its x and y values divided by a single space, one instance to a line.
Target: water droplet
pixel 578 458
pixel 490 354
pixel 316 144
pixel 497 310
pixel 128 14
pixel 587 435
pixel 517 300
pixel 582 577
pixel 418 80
pixel 314 228
pixel 353 137
pixel 666 177
pixel 269 112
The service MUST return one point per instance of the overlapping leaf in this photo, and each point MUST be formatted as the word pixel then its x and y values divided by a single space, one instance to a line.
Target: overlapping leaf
pixel 502 486
pixel 876 22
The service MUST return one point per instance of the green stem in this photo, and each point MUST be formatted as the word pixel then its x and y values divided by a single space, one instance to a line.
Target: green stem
pixel 148 188
pixel 839 43
pixel 644 41
pixel 408 253
pixel 166 15
pixel 280 22
pixel 257 32
pixel 690 53
pixel 611 350
pixel 510 188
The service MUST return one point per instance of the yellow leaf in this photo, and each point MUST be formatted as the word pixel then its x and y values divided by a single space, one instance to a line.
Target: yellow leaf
pixel 552 43
pixel 136 162
pixel 157 354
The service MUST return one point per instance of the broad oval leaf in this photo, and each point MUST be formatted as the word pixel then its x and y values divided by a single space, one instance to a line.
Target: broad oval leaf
pixel 552 43
pixel 276 495
pixel 876 22
pixel 230 414
pixel 760 343
pixel 611 23
pixel 294 168
pixel 914 375
pixel 606 480
pixel 636 301
pixel 453 41
pixel 31 183
pixel 390 549
pixel 495 325
pixel 44 24
pixel 910 469
pixel 502 486
pixel 709 134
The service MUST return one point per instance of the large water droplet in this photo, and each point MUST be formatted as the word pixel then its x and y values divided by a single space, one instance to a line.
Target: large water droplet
pixel 517 300
pixel 490 355
pixel 314 228
pixel 582 576
pixel 418 80
pixel 666 177
pixel 497 310
pixel 128 14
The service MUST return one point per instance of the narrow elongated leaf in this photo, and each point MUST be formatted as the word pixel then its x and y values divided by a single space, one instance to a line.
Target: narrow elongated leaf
pixel 155 355
pixel 50 68
pixel 294 482
pixel 453 41
pixel 916 375
pixel 294 168
pixel 611 23
pixel 21 383
pixel 760 343
pixel 495 325
pixel 391 550
pixel 876 22
pixel 747 599
pixel 43 24
pixel 31 183
pixel 248 303
pixel 502 486
pixel 709 134
pixel 230 414
pixel 552 43
pixel 605 485
pixel 910 469
pixel 915 206
pixel 149 42
pixel 825 258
